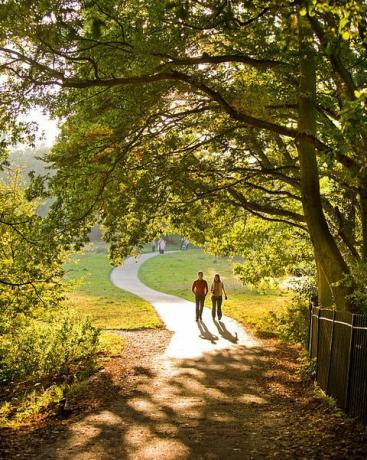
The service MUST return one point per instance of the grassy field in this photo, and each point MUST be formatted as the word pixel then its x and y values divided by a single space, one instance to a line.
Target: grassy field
pixel 174 274
pixel 92 293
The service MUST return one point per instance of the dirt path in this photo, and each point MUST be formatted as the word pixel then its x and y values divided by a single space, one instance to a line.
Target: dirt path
pixel 234 404
pixel 232 401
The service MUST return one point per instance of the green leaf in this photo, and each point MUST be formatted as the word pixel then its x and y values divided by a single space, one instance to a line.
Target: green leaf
pixel 303 12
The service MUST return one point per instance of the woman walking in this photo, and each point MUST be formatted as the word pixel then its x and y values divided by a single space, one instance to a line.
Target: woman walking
pixel 161 245
pixel 217 290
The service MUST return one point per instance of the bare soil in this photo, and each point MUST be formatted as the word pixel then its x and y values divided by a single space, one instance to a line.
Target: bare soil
pixel 239 403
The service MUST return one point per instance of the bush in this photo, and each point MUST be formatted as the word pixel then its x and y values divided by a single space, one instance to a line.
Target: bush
pixel 292 324
pixel 32 349
pixel 307 371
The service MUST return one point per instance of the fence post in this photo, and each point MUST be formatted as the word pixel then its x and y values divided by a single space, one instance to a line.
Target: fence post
pixel 314 302
pixel 350 359
pixel 331 351
pixel 318 342
pixel 310 331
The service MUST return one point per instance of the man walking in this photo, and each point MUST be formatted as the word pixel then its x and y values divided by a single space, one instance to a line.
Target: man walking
pixel 200 289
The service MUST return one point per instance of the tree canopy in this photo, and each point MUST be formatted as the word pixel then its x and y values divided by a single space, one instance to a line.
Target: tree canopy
pixel 201 113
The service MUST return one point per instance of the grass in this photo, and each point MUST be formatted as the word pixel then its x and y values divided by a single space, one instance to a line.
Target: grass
pixel 174 274
pixel 109 307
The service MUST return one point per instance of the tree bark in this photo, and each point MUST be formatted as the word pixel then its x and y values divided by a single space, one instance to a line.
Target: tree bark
pixel 325 296
pixel 328 255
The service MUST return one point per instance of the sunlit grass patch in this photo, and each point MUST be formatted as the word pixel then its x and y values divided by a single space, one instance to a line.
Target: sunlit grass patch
pixel 92 293
pixel 110 344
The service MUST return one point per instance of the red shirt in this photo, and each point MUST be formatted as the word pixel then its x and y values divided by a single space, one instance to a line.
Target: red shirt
pixel 200 287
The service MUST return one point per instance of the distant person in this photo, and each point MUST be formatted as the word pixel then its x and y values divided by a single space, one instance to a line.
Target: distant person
pixel 161 245
pixel 200 289
pixel 153 245
pixel 217 290
pixel 184 244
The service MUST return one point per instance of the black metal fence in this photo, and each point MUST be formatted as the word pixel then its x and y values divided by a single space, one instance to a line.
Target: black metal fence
pixel 338 341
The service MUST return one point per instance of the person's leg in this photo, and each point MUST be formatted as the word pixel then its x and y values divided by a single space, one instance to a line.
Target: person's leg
pixel 202 300
pixel 214 303
pixel 219 307
pixel 197 303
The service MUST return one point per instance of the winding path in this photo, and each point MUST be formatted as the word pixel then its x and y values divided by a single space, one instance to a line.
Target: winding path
pixel 190 339
pixel 208 395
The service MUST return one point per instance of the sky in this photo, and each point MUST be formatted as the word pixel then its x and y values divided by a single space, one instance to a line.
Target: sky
pixel 46 127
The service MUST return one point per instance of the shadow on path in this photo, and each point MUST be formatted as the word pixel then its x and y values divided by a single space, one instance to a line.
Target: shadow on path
pixel 237 403
pixel 224 332
pixel 205 333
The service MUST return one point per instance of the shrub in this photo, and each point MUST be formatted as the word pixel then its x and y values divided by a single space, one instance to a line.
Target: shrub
pixel 292 324
pixel 33 349
pixel 307 371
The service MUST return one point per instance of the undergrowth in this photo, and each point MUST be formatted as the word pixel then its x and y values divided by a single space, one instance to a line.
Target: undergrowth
pixel 44 361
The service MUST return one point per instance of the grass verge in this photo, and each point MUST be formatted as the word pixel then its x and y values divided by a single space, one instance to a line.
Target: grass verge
pixel 92 293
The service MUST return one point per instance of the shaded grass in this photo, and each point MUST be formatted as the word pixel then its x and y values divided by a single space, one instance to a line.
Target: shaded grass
pixel 174 274
pixel 92 293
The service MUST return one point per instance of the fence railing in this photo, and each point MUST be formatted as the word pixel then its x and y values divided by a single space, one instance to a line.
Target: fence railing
pixel 338 341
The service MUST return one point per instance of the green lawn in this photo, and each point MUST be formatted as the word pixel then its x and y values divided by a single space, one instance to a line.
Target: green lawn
pixel 109 307
pixel 174 274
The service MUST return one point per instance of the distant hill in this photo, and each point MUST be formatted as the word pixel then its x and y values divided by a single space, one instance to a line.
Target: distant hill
pixel 29 159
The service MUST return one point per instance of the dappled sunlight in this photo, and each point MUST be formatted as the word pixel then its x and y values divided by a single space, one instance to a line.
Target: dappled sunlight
pixel 251 399
pixel 169 414
pixel 225 404
pixel 213 393
pixel 164 447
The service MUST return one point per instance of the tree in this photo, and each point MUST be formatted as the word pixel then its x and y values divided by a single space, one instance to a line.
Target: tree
pixel 31 259
pixel 253 104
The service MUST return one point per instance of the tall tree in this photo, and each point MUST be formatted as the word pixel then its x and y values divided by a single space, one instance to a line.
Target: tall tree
pixel 169 102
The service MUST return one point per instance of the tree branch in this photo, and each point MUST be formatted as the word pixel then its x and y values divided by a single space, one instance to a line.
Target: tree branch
pixel 206 59
pixel 265 209
pixel 334 59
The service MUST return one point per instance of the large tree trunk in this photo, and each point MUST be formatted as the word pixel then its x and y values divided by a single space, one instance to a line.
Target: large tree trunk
pixel 325 295
pixel 329 257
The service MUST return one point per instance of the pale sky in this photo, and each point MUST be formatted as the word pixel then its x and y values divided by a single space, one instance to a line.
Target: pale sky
pixel 46 127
